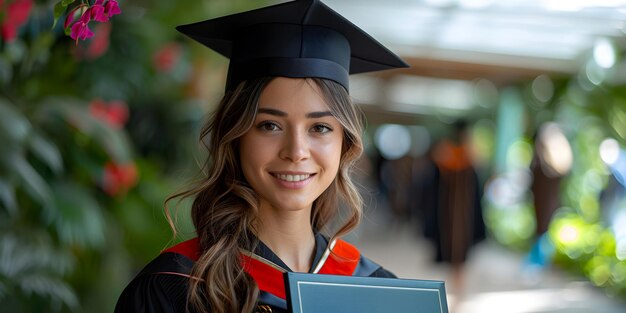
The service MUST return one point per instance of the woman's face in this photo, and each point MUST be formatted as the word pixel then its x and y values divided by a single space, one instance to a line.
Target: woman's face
pixel 292 152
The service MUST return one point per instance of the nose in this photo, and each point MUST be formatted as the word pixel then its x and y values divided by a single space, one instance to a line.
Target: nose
pixel 295 147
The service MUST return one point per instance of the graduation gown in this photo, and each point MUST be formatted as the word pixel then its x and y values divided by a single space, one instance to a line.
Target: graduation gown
pixel 453 214
pixel 162 285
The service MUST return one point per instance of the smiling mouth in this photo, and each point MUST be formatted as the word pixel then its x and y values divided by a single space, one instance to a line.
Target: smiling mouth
pixel 292 178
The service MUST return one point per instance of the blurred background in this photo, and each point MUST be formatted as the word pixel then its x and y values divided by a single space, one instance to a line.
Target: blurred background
pixel 497 162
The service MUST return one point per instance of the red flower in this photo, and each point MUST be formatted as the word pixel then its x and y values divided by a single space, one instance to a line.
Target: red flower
pixel 16 15
pixel 114 113
pixel 166 57
pixel 119 178
pixel 80 29
pixel 112 8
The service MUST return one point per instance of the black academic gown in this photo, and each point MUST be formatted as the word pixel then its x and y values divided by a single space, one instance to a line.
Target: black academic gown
pixel 162 285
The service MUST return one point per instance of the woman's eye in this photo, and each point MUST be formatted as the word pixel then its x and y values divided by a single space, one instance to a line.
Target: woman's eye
pixel 322 128
pixel 268 126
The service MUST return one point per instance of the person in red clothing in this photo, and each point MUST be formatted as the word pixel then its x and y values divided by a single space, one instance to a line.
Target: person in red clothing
pixel 281 145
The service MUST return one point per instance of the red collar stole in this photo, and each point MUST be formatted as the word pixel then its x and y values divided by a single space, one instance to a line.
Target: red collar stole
pixel 339 258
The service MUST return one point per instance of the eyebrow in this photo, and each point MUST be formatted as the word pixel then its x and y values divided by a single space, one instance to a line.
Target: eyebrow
pixel 282 113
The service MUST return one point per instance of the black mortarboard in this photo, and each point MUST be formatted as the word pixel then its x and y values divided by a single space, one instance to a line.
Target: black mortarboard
pixel 302 38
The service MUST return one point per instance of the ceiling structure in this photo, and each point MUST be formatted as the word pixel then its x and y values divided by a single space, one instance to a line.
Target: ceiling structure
pixel 453 44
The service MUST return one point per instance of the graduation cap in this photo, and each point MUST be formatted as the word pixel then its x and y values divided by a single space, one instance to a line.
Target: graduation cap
pixel 302 38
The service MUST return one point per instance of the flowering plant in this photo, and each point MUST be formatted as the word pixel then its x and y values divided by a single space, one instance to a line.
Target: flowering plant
pixel 79 16
pixel 93 138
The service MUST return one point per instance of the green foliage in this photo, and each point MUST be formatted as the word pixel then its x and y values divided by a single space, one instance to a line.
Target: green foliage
pixel 60 8
pixel 581 231
pixel 31 272
pixel 511 225
pixel 82 190
pixel 601 111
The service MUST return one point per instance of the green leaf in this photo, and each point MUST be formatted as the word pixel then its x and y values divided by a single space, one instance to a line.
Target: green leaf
pixel 24 250
pixel 6 70
pixel 67 2
pixel 34 184
pixel 13 125
pixel 59 9
pixel 39 52
pixel 79 221
pixel 3 290
pixel 47 152
pixel 44 285
pixel 7 196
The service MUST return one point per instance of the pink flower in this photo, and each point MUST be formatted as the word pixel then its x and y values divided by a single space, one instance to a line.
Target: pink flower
pixel 80 30
pixel 16 15
pixel 112 8
pixel 97 13
pixel 69 19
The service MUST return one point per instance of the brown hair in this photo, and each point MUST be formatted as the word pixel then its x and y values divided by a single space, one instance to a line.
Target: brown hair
pixel 225 206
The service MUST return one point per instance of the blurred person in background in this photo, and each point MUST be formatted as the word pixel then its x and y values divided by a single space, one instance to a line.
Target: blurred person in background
pixel 552 161
pixel 452 210
pixel 281 146
pixel 546 181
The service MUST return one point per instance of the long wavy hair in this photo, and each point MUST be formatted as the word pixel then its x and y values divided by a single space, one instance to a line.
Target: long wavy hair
pixel 225 206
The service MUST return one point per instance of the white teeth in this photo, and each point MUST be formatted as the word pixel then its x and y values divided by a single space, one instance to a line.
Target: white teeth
pixel 295 178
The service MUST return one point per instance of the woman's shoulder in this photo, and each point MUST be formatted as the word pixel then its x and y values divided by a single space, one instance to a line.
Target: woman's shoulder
pixel 160 287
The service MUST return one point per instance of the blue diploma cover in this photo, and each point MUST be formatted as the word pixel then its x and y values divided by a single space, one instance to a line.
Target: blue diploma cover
pixel 318 293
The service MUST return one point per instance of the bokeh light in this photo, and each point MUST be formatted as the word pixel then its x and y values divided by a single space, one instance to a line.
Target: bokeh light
pixel 509 215
pixel 542 88
pixel 617 118
pixel 619 229
pixel 573 235
pixel 604 53
pixel 619 272
pixel 519 154
pixel 568 234
pixel 595 73
pixel 556 152
pixel 609 151
pixel 486 93
pixel 393 141
pixel 599 270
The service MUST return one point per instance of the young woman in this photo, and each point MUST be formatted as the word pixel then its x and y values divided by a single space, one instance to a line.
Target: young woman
pixel 281 145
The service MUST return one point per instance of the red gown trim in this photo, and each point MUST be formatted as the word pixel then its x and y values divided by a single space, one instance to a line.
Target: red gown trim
pixel 342 260
pixel 266 276
pixel 189 248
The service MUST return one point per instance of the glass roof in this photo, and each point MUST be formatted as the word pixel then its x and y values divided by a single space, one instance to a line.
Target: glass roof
pixel 550 35
pixel 463 49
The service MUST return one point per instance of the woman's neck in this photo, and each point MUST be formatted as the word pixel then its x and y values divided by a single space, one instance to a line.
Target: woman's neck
pixel 290 236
